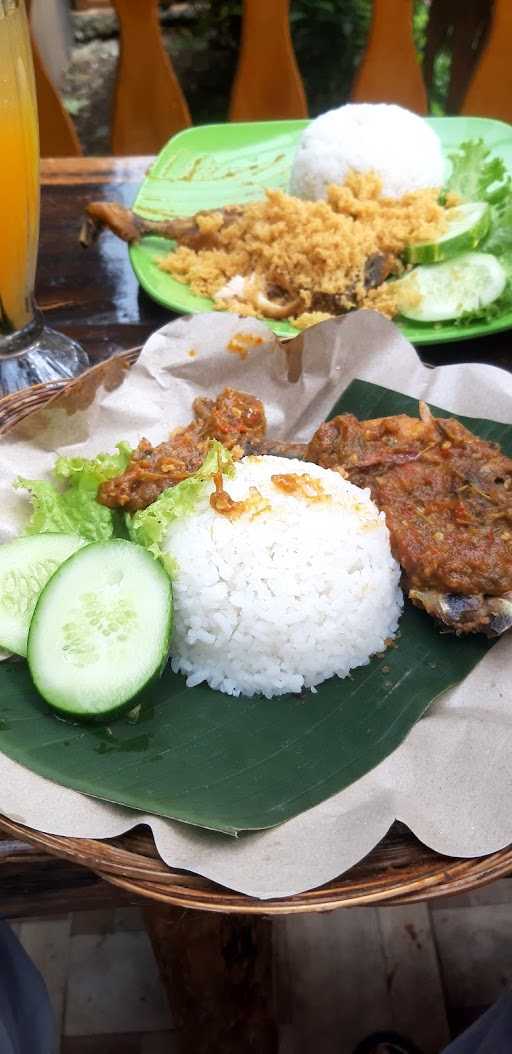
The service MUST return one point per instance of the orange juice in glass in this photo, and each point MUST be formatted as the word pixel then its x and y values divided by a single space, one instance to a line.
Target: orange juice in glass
pixel 29 351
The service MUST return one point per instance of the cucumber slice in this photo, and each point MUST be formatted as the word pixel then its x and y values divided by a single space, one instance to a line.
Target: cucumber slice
pixel 468 224
pixel 101 629
pixel 438 292
pixel 25 567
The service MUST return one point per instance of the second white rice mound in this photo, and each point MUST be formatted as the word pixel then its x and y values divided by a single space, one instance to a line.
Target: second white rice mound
pixel 300 587
pixel 397 144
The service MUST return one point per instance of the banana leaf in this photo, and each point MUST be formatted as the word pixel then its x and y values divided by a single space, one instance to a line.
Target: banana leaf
pixel 235 765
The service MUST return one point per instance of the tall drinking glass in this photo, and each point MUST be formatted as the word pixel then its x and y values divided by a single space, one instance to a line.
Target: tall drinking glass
pixel 30 352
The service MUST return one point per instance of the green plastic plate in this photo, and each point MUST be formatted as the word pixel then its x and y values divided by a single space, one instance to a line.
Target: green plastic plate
pixel 223 164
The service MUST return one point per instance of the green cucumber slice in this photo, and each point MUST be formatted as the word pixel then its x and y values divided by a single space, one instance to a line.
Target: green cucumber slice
pixel 468 224
pixel 25 567
pixel 438 292
pixel 101 629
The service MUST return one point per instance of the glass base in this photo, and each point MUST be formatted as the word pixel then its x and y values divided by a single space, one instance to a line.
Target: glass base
pixel 36 355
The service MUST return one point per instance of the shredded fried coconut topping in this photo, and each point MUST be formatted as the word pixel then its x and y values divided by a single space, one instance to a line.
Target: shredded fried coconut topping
pixel 308 260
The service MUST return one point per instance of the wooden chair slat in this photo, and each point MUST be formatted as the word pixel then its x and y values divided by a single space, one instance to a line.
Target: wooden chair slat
pixel 267 83
pixel 389 70
pixel 149 106
pixel 57 135
pixel 490 90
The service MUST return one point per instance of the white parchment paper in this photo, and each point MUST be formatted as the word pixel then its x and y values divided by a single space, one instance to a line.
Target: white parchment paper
pixel 451 779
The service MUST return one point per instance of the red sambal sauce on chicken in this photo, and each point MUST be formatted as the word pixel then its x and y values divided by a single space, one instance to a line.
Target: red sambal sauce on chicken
pixel 446 493
pixel 234 418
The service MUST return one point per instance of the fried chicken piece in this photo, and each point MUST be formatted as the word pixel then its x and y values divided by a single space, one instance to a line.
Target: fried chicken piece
pixel 277 448
pixel 367 448
pixel 126 225
pixel 447 496
pixel 467 614
pixel 233 418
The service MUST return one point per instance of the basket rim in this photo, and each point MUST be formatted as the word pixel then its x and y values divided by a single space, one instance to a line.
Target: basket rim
pixel 145 874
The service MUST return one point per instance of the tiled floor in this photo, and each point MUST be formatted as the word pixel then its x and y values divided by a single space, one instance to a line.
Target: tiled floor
pixel 426 970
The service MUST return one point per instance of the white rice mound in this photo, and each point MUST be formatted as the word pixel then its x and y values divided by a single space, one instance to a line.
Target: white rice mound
pixel 282 600
pixel 397 144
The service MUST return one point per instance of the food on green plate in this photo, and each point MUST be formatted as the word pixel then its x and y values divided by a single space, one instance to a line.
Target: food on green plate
pixel 283 577
pixel 458 287
pixel 101 629
pixel 369 203
pixel 367 137
pixel 284 257
pixel 25 567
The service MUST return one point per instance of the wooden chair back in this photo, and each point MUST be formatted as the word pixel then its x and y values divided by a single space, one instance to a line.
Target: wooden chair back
pixel 149 105
pixel 490 91
pixel 389 70
pixel 267 82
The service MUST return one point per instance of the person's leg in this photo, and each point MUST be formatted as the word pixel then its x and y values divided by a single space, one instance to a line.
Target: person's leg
pixel 491 1034
pixel 27 1024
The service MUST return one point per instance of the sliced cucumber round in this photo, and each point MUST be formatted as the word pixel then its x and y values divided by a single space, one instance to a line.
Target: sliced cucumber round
pixel 438 292
pixel 25 567
pixel 468 224
pixel 101 629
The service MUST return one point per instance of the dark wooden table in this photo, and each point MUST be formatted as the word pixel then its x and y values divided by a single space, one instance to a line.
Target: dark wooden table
pixel 93 296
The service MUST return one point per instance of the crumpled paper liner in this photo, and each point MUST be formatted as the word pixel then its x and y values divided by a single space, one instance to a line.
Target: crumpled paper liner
pixel 451 779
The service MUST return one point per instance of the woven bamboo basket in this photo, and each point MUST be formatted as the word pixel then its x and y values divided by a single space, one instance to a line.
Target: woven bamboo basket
pixel 399 870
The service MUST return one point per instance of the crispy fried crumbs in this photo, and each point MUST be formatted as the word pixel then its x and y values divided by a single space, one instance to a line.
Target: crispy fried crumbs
pixel 309 259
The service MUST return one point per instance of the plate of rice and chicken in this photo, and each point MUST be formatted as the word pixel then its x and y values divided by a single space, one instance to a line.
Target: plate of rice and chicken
pixel 234 627
pixel 294 222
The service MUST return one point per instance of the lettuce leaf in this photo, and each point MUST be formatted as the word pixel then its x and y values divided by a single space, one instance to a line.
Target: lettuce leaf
pixel 70 506
pixel 478 175
pixel 499 238
pixel 149 526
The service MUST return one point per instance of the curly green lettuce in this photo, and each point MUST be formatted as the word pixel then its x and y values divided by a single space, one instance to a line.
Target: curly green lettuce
pixel 149 527
pixel 69 505
pixel 478 175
